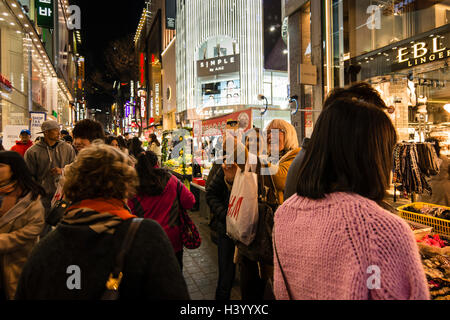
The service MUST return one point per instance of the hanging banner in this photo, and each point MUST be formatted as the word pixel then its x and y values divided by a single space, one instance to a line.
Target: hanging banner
pixel 44 13
pixel 217 126
pixel 171 14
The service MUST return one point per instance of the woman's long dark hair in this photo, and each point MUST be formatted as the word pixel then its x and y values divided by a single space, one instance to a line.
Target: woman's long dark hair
pixel 136 147
pixel 21 173
pixel 150 178
pixel 154 138
pixel 350 151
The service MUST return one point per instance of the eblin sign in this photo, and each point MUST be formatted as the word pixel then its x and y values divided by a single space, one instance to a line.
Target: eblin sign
pixel 421 52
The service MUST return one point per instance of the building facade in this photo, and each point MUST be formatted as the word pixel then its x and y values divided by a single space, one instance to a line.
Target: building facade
pixel 33 78
pixel 220 59
pixel 401 47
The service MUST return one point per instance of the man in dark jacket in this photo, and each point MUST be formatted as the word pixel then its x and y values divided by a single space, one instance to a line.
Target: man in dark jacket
pixel 218 197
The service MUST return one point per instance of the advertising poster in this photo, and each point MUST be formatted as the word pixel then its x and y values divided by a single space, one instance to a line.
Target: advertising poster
pixel 11 135
pixel 217 126
pixel 37 118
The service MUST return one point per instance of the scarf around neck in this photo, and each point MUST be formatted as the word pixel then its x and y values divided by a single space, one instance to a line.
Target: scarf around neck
pixel 100 215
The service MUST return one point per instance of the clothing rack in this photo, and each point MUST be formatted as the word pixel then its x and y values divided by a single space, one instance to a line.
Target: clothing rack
pixel 413 162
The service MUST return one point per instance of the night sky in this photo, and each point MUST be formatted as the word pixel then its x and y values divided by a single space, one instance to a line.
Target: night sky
pixel 101 22
pixel 106 20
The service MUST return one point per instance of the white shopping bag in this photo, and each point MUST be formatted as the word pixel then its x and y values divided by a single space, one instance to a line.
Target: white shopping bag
pixel 242 215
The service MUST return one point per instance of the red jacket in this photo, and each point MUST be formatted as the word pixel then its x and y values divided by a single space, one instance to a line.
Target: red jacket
pixel 21 148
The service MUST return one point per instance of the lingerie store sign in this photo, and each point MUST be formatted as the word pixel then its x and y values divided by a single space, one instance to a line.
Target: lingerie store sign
pixel 218 65
pixel 422 52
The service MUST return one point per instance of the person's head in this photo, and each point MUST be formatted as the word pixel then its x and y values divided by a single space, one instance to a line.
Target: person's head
pixel 50 129
pixel 287 135
pixel 135 146
pixel 436 145
pixel 122 143
pixel 100 171
pixel 154 138
pixel 64 133
pixel 253 141
pixel 68 139
pixel 25 136
pixel 14 168
pixel 150 177
pixel 112 141
pixel 126 136
pixel 362 91
pixel 350 150
pixel 85 132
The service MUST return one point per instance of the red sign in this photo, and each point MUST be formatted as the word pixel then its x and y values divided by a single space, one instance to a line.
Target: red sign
pixel 142 69
pixel 5 83
pixel 217 126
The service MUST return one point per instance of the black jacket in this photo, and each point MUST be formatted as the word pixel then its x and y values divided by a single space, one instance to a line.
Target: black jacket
pixel 151 271
pixel 218 197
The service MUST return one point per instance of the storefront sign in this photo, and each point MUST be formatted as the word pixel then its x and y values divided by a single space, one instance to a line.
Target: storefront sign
pixel 142 69
pixel 157 98
pixel 218 65
pixel 143 107
pixel 218 125
pixel 171 14
pixel 307 74
pixel 44 11
pixel 37 118
pixel 5 84
pixel 421 52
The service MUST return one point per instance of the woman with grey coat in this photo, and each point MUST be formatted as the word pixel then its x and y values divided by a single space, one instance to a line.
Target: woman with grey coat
pixel 21 219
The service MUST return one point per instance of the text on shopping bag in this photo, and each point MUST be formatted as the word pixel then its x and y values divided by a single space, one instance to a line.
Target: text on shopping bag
pixel 234 206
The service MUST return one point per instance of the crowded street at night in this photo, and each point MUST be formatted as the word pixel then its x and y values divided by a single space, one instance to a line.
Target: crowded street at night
pixel 225 158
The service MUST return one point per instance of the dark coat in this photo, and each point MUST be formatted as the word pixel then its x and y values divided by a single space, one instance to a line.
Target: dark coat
pixel 151 270
pixel 218 197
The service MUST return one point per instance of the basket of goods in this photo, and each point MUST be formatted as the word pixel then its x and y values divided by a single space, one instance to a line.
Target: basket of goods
pixel 431 215
pixel 437 270
pixel 433 245
pixel 420 230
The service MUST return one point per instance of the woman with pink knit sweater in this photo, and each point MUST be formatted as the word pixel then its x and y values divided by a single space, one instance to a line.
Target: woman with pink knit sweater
pixel 332 240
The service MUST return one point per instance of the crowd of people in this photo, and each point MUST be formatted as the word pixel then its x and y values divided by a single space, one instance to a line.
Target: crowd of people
pixel 325 220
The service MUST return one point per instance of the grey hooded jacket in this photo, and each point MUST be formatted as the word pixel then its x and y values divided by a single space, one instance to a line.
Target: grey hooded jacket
pixel 41 158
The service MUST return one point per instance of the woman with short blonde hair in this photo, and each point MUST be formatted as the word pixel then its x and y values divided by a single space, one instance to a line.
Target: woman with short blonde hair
pixel 92 231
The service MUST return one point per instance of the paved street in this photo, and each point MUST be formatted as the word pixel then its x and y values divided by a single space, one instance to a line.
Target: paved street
pixel 200 266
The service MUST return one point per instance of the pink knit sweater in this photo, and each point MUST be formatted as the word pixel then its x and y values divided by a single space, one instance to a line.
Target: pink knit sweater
pixel 327 246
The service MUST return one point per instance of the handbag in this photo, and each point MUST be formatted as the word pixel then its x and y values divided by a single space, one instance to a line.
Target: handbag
pixel 189 234
pixel 56 213
pixel 115 277
pixel 261 249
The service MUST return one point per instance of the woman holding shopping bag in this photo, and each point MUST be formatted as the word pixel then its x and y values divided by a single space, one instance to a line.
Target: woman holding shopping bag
pixel 256 259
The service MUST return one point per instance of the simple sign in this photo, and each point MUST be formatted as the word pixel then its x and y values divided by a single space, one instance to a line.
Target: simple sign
pixel 171 14
pixel 421 52
pixel 37 118
pixel 218 65
pixel 44 12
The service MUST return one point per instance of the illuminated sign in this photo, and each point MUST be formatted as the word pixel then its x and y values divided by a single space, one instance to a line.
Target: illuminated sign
pixel 157 97
pixel 142 69
pixel 218 65
pixel 44 11
pixel 421 52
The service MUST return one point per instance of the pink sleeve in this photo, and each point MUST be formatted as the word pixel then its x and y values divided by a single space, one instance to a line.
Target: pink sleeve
pixel 187 199
pixel 400 266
